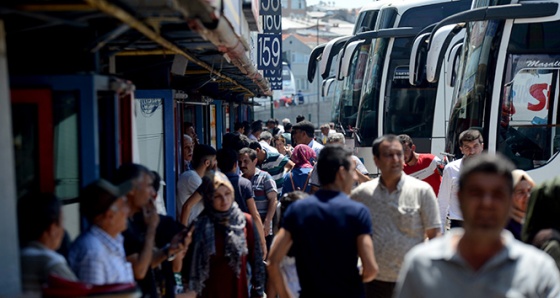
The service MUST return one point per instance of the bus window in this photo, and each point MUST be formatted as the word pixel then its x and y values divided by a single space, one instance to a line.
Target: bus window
pixel 527 130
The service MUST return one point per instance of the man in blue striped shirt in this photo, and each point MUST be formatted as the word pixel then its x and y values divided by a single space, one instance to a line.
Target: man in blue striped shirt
pixel 274 163
pixel 264 188
pixel 97 256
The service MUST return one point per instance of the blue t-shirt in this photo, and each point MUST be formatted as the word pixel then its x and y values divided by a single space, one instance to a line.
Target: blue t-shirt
pixel 299 176
pixel 243 190
pixel 324 228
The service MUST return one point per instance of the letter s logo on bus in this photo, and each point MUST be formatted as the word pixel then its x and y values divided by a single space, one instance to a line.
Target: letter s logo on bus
pixel 537 91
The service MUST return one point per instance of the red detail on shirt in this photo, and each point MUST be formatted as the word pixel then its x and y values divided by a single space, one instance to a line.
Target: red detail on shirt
pixel 424 161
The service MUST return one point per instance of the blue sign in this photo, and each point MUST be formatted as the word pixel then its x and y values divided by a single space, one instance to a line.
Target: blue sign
pixel 274 76
pixel 269 51
pixel 272 24
pixel 270 7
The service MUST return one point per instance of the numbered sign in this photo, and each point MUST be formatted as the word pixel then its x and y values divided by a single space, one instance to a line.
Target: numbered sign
pixel 274 76
pixel 269 52
pixel 270 7
pixel 272 24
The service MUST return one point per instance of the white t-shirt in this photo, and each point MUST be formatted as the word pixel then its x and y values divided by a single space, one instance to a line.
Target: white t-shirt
pixel 187 184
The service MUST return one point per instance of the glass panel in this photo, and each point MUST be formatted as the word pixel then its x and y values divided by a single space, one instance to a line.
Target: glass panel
pixel 66 156
pixel 26 136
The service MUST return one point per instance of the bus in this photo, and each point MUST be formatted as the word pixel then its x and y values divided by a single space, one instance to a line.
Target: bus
pixel 508 82
pixel 345 88
pixel 388 103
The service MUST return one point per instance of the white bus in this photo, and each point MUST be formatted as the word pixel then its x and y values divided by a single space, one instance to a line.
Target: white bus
pixel 508 82
pixel 388 102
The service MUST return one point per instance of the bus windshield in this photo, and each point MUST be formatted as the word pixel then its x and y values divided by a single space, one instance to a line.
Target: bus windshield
pixel 369 102
pixel 408 109
pixel 352 85
pixel 473 86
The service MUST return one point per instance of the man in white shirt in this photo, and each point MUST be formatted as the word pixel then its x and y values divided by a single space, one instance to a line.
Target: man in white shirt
pixel 483 259
pixel 303 133
pixel 189 201
pixel 470 144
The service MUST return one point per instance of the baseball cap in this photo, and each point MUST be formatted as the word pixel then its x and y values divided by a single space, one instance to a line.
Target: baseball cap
pixel 98 196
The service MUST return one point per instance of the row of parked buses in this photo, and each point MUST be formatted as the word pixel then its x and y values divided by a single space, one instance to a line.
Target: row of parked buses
pixel 432 69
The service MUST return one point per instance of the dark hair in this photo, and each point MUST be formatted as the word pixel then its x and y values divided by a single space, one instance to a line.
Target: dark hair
pixel 256 126
pixel 130 171
pixel 306 126
pixel 36 213
pixel 287 126
pixel 157 181
pixel 226 158
pixel 255 145
pixel 406 140
pixel 237 126
pixel 201 153
pixel 470 135
pixel 331 158
pixel 235 141
pixel 384 138
pixel 288 198
pixel 487 164
pixel 250 152
pixel 299 118
pixel 275 131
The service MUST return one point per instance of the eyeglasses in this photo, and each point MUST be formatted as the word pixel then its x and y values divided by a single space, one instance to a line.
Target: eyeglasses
pixel 522 193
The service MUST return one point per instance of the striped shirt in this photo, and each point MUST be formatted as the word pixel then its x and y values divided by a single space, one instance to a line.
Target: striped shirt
pixel 262 185
pixel 99 259
pixel 274 164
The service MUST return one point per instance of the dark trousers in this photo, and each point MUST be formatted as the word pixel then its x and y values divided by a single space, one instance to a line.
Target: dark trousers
pixel 379 289
pixel 455 223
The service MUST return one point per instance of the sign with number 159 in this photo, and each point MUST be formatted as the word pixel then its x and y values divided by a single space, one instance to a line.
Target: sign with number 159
pixel 269 51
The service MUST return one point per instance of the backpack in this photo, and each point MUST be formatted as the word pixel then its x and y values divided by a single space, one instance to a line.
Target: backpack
pixel 304 185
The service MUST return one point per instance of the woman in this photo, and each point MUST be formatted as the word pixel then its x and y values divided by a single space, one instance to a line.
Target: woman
pixel 224 241
pixel 522 186
pixel 280 145
pixel 298 178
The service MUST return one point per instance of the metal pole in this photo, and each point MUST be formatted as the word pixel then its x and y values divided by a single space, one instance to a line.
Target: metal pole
pixel 318 78
pixel 271 107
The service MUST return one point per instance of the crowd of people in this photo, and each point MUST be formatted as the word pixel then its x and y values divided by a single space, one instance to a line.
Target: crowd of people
pixel 278 212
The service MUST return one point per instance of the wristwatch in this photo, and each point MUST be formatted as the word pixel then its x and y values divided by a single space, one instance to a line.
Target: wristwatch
pixel 170 257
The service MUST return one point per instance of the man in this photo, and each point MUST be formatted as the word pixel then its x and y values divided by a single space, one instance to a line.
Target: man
pixel 97 256
pixel 470 144
pixel 265 139
pixel 273 163
pixel 256 129
pixel 325 133
pixel 143 221
pixel 299 118
pixel 40 229
pixel 404 209
pixel 327 232
pixel 239 128
pixel 264 189
pixel 303 133
pixel 482 259
pixel 423 166
pixel 362 174
pixel 243 189
pixel 189 202
pixel 187 152
pixel 191 132
pixel 288 133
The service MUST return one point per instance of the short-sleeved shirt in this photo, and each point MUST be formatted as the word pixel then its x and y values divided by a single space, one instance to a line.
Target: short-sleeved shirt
pixel 274 164
pixel 262 184
pixel 316 146
pixel 243 190
pixel 399 219
pixel 324 228
pixel 426 169
pixel 187 184
pixel 99 259
pixel 436 269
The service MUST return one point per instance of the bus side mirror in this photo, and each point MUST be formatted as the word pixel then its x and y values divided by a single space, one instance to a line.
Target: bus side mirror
pixel 417 64
pixel 346 60
pixel 453 65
